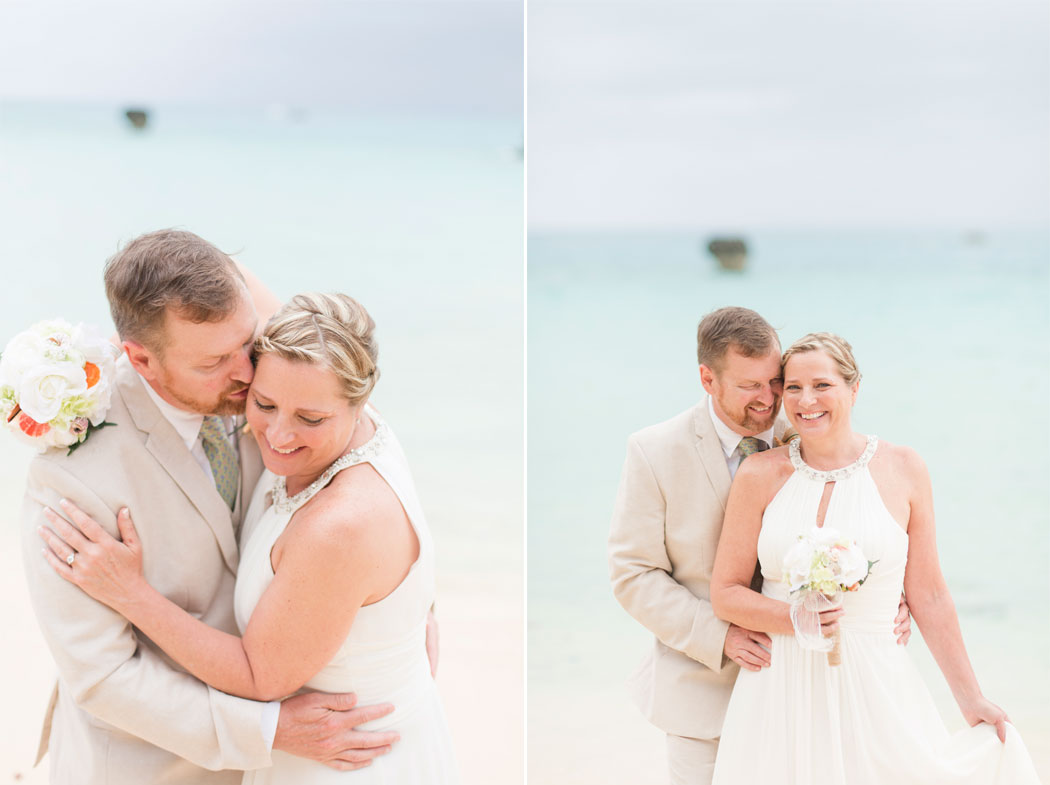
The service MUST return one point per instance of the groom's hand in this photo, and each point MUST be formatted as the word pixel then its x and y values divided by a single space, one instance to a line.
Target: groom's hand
pixel 432 643
pixel 748 649
pixel 323 727
pixel 902 628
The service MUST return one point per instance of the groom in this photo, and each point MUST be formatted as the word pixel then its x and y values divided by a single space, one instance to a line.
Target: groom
pixel 665 530
pixel 122 711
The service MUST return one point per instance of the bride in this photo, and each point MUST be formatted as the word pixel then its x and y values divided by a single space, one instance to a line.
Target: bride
pixel 336 572
pixel 869 720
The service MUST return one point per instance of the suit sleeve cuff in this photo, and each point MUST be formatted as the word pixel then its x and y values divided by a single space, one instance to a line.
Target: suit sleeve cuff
pixel 712 653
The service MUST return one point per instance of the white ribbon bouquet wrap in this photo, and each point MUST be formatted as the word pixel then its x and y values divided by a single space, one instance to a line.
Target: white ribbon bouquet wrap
pixel 820 567
pixel 55 384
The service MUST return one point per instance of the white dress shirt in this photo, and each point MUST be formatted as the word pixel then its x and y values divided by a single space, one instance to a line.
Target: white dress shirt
pixel 188 426
pixel 730 439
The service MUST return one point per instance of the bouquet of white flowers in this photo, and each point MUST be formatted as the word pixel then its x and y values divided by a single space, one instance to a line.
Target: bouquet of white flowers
pixel 820 566
pixel 55 384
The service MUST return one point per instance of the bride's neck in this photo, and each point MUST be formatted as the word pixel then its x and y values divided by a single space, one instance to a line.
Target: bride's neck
pixel 363 431
pixel 832 451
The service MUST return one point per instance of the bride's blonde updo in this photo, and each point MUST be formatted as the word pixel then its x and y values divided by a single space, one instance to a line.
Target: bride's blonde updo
pixel 835 347
pixel 333 330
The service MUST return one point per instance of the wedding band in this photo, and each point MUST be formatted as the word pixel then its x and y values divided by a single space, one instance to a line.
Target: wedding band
pixel 70 558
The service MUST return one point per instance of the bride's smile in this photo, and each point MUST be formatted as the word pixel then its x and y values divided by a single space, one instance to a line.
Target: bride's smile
pixel 301 419
pixel 817 400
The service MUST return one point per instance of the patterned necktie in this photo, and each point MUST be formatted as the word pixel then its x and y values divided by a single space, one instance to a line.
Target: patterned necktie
pixel 222 457
pixel 749 445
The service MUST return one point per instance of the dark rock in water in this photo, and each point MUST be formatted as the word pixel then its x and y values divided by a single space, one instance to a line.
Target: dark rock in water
pixel 731 252
pixel 137 117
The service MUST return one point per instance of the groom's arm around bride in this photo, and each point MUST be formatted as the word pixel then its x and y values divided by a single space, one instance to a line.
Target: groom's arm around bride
pixel 122 711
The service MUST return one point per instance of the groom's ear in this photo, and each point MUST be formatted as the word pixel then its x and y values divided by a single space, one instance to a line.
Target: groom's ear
pixel 707 377
pixel 142 359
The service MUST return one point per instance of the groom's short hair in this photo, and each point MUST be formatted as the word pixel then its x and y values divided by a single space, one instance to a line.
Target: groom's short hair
pixel 733 327
pixel 174 269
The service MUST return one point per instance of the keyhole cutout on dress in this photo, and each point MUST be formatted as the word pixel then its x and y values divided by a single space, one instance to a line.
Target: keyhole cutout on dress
pixel 825 500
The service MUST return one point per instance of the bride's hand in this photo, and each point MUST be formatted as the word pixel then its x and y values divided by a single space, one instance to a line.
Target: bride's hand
pixel 983 710
pixel 829 621
pixel 107 569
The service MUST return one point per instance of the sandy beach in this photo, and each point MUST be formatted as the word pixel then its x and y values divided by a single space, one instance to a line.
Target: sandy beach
pixel 593 734
pixel 25 662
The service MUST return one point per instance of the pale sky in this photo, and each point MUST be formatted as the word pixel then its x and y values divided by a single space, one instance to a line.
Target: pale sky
pixel 641 114
pixel 386 54
pixel 745 114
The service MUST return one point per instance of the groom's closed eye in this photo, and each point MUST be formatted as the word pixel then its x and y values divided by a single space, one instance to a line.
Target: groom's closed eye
pixel 211 366
pixel 214 364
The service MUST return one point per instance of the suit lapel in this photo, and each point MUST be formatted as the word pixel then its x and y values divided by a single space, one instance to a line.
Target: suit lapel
pixel 170 451
pixel 251 470
pixel 709 449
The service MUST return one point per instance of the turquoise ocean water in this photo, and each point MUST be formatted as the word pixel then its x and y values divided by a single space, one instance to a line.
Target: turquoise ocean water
pixel 417 216
pixel 951 333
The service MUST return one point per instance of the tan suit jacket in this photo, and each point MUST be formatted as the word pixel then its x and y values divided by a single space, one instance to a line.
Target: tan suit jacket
pixel 123 712
pixel 665 530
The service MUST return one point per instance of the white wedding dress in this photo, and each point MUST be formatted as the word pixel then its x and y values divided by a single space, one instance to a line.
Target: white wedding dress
pixel 383 659
pixel 870 720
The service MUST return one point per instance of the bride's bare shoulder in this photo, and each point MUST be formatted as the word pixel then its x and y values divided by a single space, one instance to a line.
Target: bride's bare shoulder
pixel 770 468
pixel 902 461
pixel 899 454
pixel 761 476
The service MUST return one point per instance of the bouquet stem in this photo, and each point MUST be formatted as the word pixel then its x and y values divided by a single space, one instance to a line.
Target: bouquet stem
pixel 835 655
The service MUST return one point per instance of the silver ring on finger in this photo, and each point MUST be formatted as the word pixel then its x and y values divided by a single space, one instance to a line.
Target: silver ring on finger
pixel 71 558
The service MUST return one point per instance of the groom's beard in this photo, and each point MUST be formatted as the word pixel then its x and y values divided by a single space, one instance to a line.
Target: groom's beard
pixel 753 423
pixel 223 405
pixel 749 420
pixel 230 406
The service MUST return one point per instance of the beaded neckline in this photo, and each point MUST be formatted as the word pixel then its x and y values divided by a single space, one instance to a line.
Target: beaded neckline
pixel 795 452
pixel 282 502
